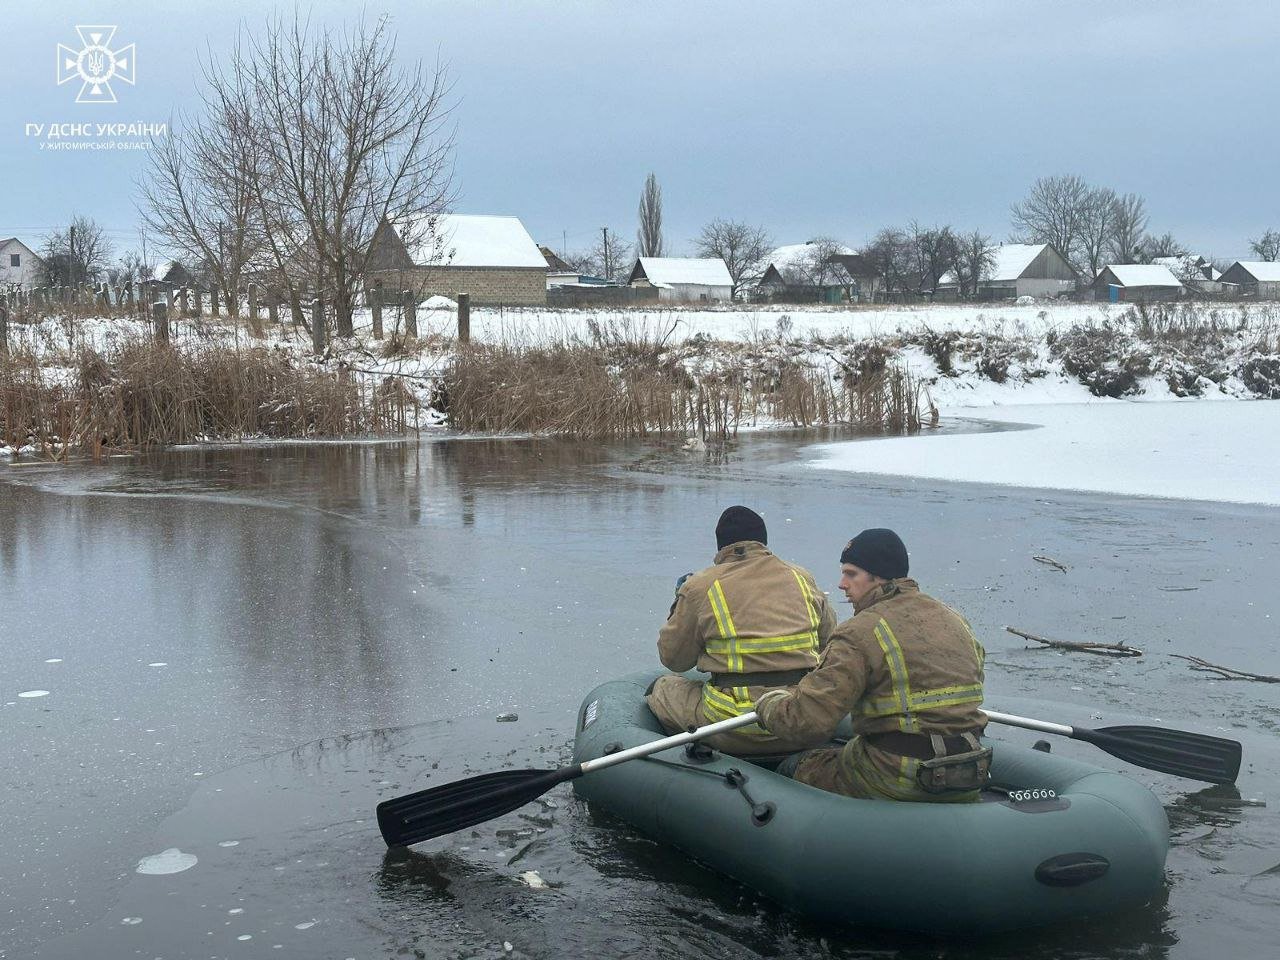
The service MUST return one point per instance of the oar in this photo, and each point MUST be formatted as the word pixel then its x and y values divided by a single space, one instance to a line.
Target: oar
pixel 1183 754
pixel 454 806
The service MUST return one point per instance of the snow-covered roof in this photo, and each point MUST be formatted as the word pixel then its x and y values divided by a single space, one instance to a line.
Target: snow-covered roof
pixel 162 270
pixel 796 255
pixel 475 240
pixel 1143 275
pixel 1264 271
pixel 1192 265
pixel 1012 259
pixel 666 271
pixel 1009 262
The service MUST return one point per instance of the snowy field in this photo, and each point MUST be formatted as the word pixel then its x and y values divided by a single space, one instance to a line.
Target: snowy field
pixel 1219 450
pixel 533 325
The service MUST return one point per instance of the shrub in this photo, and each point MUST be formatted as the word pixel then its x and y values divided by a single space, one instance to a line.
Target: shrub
pixel 941 347
pixel 1262 376
pixel 1106 359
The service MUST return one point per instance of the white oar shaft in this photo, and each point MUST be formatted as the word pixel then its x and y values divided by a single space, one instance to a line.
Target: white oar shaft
pixel 1030 724
pixel 679 740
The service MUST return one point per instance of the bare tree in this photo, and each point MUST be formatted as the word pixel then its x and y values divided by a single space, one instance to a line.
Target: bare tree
pixel 198 191
pixel 740 245
pixel 817 266
pixel 649 241
pixel 328 138
pixel 891 253
pixel 1163 246
pixel 975 259
pixel 128 267
pixel 610 257
pixel 1097 228
pixel 1054 212
pixel 935 251
pixel 1128 228
pixel 76 253
pixel 1267 246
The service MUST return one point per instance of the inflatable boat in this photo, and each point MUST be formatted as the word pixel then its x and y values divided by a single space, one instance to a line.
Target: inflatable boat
pixel 1053 839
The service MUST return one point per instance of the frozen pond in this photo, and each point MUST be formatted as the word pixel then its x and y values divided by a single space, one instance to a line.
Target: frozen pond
pixel 214 663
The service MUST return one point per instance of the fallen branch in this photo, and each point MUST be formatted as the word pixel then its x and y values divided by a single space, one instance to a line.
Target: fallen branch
pixel 1225 673
pixel 1102 649
pixel 1049 561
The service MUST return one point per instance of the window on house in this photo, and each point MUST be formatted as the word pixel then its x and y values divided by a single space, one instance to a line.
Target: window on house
pixel 15 259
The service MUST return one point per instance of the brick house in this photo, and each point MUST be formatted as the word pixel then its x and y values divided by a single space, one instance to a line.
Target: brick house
pixel 489 257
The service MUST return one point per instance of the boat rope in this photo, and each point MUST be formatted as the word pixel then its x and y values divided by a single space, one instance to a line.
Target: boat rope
pixel 761 813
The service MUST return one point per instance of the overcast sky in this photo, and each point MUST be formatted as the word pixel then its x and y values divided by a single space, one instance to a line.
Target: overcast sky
pixel 807 117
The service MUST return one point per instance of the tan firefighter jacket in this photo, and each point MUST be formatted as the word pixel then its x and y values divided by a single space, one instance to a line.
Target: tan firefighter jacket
pixel 748 613
pixel 904 661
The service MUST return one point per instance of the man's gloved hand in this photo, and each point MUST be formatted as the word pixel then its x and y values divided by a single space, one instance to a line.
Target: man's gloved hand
pixel 766 703
pixel 679 583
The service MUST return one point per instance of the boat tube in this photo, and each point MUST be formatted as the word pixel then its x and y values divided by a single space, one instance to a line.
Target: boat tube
pixel 1054 839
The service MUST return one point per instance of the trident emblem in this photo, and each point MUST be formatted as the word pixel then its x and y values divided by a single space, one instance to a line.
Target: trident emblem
pixel 95 64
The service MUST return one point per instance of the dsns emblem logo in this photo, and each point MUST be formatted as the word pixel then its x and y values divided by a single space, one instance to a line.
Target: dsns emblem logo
pixel 96 64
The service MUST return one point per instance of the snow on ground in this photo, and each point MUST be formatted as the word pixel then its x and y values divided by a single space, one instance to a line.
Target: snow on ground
pixel 532 325
pixel 1219 450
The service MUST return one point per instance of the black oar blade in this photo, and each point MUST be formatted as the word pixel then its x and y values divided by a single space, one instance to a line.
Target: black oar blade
pixel 464 803
pixel 1179 752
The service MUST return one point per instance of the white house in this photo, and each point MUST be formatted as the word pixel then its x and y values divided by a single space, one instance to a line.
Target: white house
pixel 683 278
pixel 1021 270
pixel 19 265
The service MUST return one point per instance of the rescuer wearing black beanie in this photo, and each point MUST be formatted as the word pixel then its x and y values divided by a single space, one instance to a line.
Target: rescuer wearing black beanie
pixel 753 622
pixel 738 524
pixel 878 551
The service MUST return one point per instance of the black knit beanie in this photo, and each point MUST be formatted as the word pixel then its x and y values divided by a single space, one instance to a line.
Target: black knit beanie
pixel 740 523
pixel 878 551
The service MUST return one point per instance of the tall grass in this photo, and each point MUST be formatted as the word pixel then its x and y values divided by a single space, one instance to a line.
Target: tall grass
pixel 141 394
pixel 633 386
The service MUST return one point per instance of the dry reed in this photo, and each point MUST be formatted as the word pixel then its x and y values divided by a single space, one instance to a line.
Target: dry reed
pixel 141 394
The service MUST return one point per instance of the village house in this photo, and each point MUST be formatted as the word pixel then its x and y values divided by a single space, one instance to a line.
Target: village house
pixel 801 273
pixel 683 278
pixel 1020 270
pixel 170 275
pixel 491 258
pixel 1136 283
pixel 1259 279
pixel 19 265
pixel 1195 272
pixel 864 283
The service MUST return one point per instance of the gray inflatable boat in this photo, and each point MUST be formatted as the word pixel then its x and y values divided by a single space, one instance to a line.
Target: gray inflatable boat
pixel 1054 840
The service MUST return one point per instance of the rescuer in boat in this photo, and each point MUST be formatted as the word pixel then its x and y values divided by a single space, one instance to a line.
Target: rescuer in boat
pixel 909 670
pixel 752 621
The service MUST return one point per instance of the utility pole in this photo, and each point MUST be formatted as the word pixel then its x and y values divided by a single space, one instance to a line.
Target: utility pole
pixel 71 255
pixel 608 274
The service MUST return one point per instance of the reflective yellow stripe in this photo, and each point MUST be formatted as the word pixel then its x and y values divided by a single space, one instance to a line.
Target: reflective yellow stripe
pixel 941 697
pixel 948 696
pixel 714 595
pixel 739 645
pixel 898 674
pixel 809 604
pixel 718 705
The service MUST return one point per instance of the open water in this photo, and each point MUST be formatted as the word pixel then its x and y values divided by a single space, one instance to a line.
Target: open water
pixel 215 662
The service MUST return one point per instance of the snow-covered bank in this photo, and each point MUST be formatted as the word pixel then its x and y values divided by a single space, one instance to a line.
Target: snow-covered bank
pixel 608 373
pixel 1186 449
